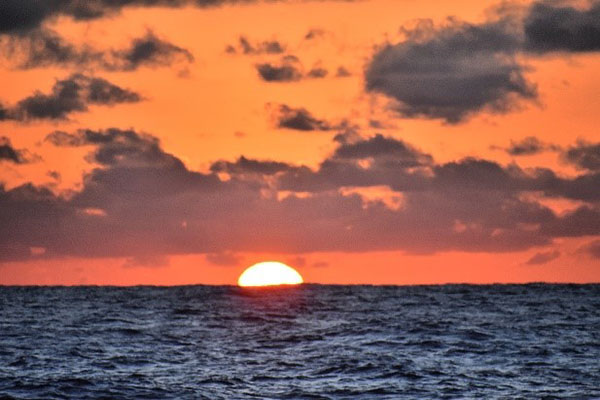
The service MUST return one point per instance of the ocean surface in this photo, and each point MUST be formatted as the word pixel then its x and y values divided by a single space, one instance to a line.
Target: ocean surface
pixel 308 342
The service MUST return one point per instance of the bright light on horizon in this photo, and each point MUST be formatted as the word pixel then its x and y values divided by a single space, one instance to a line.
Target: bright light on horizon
pixel 269 273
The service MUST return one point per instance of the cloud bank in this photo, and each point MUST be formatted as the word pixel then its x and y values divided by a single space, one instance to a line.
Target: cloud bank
pixel 142 200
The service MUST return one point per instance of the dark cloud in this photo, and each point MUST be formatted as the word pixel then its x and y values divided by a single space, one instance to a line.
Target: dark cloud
pixel 244 46
pixel 583 187
pixel 284 72
pixel 592 249
pixel 3 113
pixel 583 221
pixel 149 50
pixel 54 175
pixel 459 69
pixel 18 16
pixel 244 166
pixel 379 146
pixel 342 72
pixel 543 257
pixel 552 26
pixel 451 72
pixel 317 72
pixel 9 153
pixel 141 200
pixel 314 34
pixel 528 146
pixel 299 119
pixel 584 156
pixel 287 70
pixel 374 161
pixel 225 258
pixel 44 47
pixel 73 94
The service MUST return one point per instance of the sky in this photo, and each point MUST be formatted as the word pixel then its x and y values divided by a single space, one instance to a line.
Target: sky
pixel 360 142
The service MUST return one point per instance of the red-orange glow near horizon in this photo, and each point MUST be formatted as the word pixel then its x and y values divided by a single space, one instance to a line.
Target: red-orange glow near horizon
pixel 269 273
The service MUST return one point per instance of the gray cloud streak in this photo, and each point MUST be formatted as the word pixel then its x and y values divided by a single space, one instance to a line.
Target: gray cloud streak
pixel 73 94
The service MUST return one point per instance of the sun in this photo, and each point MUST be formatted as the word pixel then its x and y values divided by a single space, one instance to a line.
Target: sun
pixel 269 273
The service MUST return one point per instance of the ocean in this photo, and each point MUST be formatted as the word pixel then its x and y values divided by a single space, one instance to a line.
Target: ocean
pixel 307 342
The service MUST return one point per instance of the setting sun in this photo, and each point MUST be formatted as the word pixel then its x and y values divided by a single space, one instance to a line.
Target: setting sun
pixel 269 273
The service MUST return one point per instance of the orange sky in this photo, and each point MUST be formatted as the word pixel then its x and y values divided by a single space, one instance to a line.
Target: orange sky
pixel 217 108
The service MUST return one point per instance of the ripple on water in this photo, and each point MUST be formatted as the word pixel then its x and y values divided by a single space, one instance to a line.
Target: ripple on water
pixel 307 342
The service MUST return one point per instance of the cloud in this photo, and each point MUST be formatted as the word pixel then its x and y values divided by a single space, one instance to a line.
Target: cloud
pixel 456 70
pixel 10 154
pixel 18 16
pixel 299 119
pixel 529 146
pixel 54 175
pixel 21 15
pixel 149 50
pixel 44 47
pixel 381 146
pixel 73 94
pixel 314 33
pixel 553 26
pixel 584 155
pixel 225 258
pixel 245 166
pixel 583 221
pixel 342 72
pixel 543 257
pixel 592 249
pixel 373 161
pixel 451 72
pixel 284 72
pixel 317 72
pixel 289 69
pixel 265 47
pixel 141 200
pixel 147 261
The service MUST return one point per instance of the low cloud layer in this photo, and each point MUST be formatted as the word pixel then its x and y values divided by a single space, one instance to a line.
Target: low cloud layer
pixel 142 200
pixel 459 69
pixel 73 94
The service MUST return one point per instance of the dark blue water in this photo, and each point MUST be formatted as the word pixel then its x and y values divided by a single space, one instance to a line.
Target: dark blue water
pixel 308 342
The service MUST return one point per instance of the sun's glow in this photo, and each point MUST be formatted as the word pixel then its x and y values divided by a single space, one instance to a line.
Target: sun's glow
pixel 269 273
